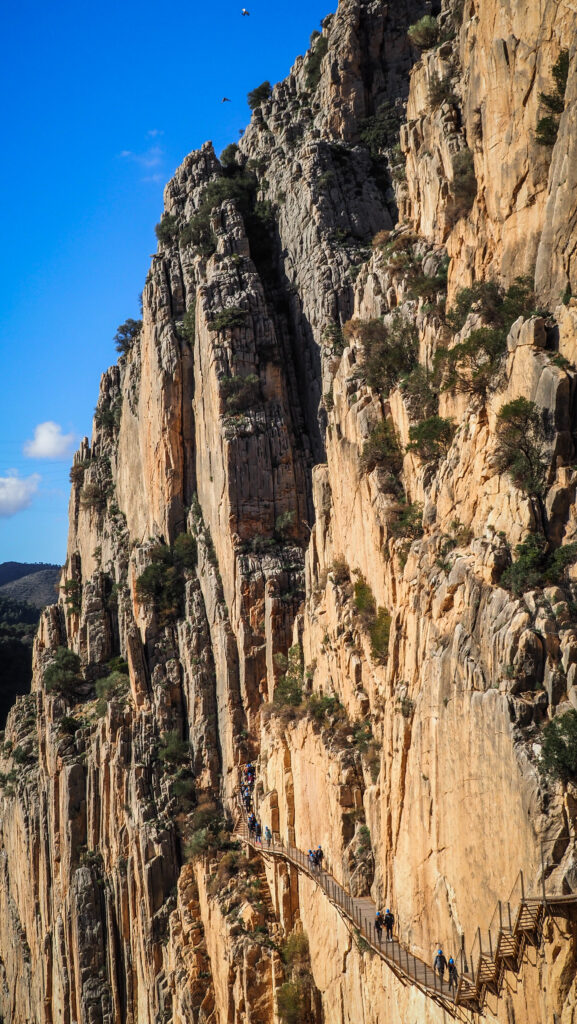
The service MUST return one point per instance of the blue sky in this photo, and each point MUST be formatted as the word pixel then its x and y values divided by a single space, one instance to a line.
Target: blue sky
pixel 102 102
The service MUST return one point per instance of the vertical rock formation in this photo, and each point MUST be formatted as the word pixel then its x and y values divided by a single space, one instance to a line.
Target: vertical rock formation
pixel 291 538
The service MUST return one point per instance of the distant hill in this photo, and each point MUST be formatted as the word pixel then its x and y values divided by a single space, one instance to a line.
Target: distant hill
pixel 18 622
pixel 33 582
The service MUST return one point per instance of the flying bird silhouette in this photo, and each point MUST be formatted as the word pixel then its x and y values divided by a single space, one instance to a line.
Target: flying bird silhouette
pixel 225 99
pixel 245 13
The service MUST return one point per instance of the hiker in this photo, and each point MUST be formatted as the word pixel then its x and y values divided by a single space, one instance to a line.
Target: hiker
pixel 312 860
pixel 453 976
pixel 389 920
pixel 440 964
pixel 268 836
pixel 320 856
pixel 379 926
pixel 251 824
pixel 258 832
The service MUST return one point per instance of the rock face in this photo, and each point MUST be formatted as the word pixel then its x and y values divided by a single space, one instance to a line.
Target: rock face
pixel 290 542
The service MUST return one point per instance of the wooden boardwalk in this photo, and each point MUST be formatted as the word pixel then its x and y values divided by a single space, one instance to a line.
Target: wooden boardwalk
pixel 516 924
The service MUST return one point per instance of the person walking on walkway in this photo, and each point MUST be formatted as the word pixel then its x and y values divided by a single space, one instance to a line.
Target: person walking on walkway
pixel 258 832
pixel 379 926
pixel 320 856
pixel 453 976
pixel 389 921
pixel 268 836
pixel 440 964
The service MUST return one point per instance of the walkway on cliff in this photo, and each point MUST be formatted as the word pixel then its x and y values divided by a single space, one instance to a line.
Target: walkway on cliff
pixel 516 924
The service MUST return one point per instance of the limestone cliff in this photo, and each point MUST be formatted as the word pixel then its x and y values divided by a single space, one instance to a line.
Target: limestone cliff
pixel 294 541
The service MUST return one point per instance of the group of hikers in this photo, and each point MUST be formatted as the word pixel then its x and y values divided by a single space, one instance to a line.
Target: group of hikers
pixel 441 964
pixel 246 790
pixel 384 921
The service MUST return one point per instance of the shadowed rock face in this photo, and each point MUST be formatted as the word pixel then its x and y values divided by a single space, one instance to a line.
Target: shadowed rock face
pixel 331 549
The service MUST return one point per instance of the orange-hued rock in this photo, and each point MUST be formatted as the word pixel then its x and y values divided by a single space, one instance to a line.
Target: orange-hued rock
pixel 266 564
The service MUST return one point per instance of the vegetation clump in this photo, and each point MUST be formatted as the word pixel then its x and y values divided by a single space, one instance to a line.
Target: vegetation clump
pixel 559 749
pixel 521 449
pixel 294 996
pixel 126 335
pixel 440 90
pixel 63 674
pixel 548 126
pixel 464 184
pixel 167 229
pixel 289 688
pixel 431 438
pixel 228 318
pixel 536 566
pixel 382 450
pixel 389 349
pixel 376 621
pixel 240 393
pixel 260 95
pixel 162 582
pixel 424 33
pixel 314 61
pixel 380 131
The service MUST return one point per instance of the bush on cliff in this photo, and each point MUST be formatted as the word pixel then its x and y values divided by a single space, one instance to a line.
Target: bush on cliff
pixel 227 318
pixel 431 439
pixel 314 61
pixel 389 349
pixel 464 184
pixel 536 565
pixel 260 95
pixel 440 91
pixel 289 688
pixel 380 131
pixel 162 582
pixel 424 33
pixel 126 335
pixel 382 450
pixel 470 366
pixel 167 229
pixel 520 448
pixel 548 126
pixel 63 675
pixel 559 750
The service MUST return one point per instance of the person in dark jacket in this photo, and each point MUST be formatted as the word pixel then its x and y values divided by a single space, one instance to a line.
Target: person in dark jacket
pixel 440 964
pixel 379 926
pixel 389 921
pixel 453 976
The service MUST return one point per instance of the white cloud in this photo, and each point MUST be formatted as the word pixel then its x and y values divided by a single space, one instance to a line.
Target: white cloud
pixel 49 442
pixel 156 179
pixel 152 157
pixel 16 493
pixel 154 132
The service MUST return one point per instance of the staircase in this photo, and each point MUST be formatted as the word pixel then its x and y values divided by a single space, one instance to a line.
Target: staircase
pixel 516 924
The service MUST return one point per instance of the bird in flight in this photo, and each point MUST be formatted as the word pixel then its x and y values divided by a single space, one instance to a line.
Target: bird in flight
pixel 225 99
pixel 245 13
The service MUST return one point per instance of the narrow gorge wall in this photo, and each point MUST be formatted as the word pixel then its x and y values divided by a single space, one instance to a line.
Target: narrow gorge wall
pixel 288 539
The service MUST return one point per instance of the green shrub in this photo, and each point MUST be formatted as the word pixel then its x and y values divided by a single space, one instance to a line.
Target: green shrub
pixel 389 350
pixel 379 632
pixel 92 497
pixel 313 63
pixel 113 685
pixel 535 566
pixel 288 690
pixel 484 298
pixel 167 230
pixel 408 521
pixel 76 474
pixel 260 95
pixel 471 365
pixel 107 415
pixel 240 393
pixel 520 445
pixel 364 600
pixel 198 232
pixel 323 708
pixel 431 439
pixel 228 157
pixel 440 91
pixel 173 750
pixel 126 335
pixel 284 524
pixel 296 948
pixel 189 324
pixel 464 184
pixel 62 675
pixel 162 582
pixel 68 725
pixel 228 318
pixel 380 131
pixel 548 126
pixel 424 33
pixel 340 571
pixel 73 591
pixel 332 336
pixel 290 1003
pixel 420 392
pixel 382 449
pixel 559 750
